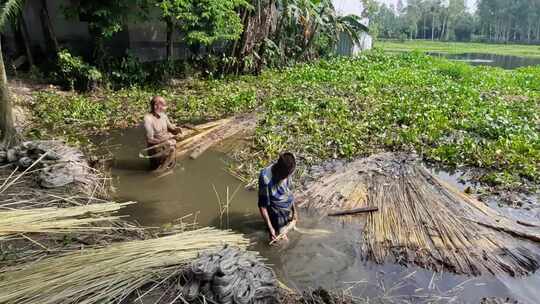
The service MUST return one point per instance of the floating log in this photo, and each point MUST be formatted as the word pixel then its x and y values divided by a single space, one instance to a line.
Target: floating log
pixel 421 219
pixel 354 211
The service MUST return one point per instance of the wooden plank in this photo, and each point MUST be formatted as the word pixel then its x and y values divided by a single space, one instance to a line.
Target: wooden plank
pixel 354 211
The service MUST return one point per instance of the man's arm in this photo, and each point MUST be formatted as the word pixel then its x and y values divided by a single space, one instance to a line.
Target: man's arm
pixel 266 218
pixel 173 128
pixel 291 198
pixel 264 203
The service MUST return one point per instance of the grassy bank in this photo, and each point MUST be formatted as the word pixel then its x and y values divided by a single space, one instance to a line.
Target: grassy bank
pixel 532 51
pixel 445 111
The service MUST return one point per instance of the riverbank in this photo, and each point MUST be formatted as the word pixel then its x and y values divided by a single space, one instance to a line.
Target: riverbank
pixel 427 46
pixel 448 112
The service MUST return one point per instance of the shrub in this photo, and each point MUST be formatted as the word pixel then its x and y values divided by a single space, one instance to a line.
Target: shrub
pixel 127 71
pixel 75 74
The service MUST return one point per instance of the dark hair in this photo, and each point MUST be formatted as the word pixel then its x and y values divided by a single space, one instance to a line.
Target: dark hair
pixel 284 166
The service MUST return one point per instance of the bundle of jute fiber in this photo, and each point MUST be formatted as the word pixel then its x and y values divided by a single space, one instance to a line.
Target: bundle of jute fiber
pixel 110 274
pixel 56 220
pixel 230 276
pixel 201 137
pixel 421 219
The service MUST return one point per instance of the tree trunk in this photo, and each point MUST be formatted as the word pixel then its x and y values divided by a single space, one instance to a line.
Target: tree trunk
pixel 529 32
pixel 170 45
pixel 26 41
pixel 8 135
pixel 432 27
pixel 309 42
pixel 424 28
pixel 443 33
pixel 50 36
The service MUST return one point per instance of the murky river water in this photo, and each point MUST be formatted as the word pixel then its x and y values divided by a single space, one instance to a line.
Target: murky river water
pixel 503 61
pixel 328 260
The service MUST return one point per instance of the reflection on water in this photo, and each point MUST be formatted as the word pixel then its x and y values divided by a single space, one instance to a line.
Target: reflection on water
pixel 505 62
pixel 331 260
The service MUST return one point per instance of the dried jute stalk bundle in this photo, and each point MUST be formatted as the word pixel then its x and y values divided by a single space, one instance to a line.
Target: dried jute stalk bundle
pixel 201 137
pixel 421 219
pixel 112 273
pixel 57 220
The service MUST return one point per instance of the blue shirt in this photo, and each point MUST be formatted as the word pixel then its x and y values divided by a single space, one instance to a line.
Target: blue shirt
pixel 273 193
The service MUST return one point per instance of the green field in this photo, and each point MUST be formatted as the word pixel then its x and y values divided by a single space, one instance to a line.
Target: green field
pixel 531 51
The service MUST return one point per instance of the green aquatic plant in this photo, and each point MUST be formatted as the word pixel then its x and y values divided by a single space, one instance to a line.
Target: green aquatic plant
pixel 447 112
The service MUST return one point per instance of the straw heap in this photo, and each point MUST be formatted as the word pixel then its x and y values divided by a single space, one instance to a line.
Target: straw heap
pixel 55 220
pixel 110 274
pixel 422 220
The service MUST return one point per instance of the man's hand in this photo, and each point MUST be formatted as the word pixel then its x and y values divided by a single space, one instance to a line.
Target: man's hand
pixel 273 235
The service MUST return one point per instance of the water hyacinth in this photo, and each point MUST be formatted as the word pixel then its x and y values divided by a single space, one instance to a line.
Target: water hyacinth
pixel 448 112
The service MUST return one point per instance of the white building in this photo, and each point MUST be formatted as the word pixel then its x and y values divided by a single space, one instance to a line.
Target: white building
pixel 346 46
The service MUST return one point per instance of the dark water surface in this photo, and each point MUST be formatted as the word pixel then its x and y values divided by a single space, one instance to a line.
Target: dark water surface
pixel 330 260
pixel 502 61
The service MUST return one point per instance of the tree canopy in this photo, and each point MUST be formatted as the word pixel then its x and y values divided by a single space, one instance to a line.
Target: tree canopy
pixel 493 20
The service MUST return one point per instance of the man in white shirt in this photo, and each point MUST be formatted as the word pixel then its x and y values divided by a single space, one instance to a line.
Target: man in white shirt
pixel 160 134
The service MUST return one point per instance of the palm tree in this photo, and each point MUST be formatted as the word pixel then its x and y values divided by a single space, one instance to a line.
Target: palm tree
pixel 8 135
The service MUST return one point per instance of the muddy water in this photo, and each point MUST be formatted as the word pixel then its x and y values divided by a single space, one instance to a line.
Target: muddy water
pixel 329 260
pixel 503 61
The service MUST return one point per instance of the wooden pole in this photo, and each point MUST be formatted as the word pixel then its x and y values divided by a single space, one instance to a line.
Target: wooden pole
pixel 354 211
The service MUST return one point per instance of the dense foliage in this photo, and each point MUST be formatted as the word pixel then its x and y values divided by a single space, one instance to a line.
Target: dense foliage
pixel 447 112
pixel 493 20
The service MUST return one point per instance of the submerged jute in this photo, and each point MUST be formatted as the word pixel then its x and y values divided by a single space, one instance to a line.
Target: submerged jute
pixel 230 276
pixel 200 138
pixel 421 219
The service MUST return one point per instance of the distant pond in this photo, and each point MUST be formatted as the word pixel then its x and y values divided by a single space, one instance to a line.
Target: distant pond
pixel 502 61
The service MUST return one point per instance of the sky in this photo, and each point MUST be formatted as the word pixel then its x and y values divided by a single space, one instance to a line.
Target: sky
pixel 471 4
pixel 355 6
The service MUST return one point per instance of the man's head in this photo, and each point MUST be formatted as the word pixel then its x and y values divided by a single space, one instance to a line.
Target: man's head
pixel 284 166
pixel 158 105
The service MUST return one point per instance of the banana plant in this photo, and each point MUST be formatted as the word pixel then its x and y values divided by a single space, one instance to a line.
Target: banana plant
pixel 301 22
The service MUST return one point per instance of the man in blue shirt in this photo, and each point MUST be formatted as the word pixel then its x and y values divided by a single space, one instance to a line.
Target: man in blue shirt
pixel 276 202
